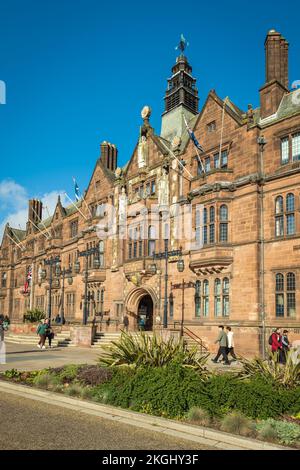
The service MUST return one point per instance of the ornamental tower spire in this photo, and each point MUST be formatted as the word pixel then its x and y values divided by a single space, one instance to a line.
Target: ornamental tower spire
pixel 181 96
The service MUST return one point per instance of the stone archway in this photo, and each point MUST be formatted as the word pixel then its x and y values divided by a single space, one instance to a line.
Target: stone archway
pixel 139 302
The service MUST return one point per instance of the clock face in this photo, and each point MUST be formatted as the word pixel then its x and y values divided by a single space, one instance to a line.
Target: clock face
pixel 146 112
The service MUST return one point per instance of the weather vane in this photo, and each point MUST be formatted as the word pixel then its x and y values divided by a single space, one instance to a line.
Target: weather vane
pixel 182 44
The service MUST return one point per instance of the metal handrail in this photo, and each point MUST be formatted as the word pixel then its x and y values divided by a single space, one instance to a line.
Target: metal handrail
pixel 192 335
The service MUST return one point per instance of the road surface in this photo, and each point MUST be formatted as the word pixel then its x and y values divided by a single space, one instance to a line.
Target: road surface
pixel 30 425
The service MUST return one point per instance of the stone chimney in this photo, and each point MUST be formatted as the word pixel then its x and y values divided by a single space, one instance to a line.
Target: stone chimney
pixel 277 82
pixel 35 211
pixel 109 155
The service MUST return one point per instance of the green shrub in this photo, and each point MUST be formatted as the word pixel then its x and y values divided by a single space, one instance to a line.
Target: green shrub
pixel 173 390
pixel 12 374
pixel 272 371
pixel 237 423
pixel 34 315
pixel 199 416
pixel 254 398
pixel 167 391
pixel 65 374
pixel 144 350
pixel 286 433
pixel 266 431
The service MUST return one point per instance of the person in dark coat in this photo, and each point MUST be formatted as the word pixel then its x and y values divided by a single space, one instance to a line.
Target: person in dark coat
pixel 223 345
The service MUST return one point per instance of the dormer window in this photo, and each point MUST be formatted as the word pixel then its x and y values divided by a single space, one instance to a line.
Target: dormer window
pixel 211 126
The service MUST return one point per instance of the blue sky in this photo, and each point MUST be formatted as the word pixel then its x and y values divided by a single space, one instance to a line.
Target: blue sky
pixel 78 72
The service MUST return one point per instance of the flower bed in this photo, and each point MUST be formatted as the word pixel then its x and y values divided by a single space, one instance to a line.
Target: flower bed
pixel 250 407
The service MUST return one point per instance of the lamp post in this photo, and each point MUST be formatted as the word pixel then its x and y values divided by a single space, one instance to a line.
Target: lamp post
pixel 166 254
pixel 63 273
pixel 182 285
pixel 53 261
pixel 96 265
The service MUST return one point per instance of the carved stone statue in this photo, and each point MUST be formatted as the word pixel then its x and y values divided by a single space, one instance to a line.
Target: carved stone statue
pixel 163 189
pixel 142 152
pixel 122 206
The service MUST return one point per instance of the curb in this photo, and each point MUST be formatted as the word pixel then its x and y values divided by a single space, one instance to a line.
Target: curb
pixel 198 434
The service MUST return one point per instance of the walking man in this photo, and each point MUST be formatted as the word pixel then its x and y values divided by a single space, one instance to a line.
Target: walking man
pixel 126 322
pixel 223 345
pixel 285 345
pixel 230 349
pixel 42 332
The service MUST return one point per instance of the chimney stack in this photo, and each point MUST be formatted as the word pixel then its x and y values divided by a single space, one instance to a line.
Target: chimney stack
pixel 35 211
pixel 277 82
pixel 109 155
pixel 276 50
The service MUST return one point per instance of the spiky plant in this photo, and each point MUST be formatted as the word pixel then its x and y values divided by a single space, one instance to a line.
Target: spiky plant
pixel 144 350
pixel 287 375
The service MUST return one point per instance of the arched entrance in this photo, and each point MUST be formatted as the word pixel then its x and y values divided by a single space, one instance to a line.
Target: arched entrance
pixel 141 301
pixel 145 313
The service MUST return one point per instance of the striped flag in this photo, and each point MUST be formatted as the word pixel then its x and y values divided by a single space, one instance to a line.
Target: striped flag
pixel 28 281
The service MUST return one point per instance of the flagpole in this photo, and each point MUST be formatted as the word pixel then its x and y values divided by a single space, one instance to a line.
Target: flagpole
pixel 76 207
pixel 173 155
pixel 22 248
pixel 82 197
pixel 42 222
pixel 16 236
pixel 198 155
pixel 31 287
pixel 222 128
pixel 47 237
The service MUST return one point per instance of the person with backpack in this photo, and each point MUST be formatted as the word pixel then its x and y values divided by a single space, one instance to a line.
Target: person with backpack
pixel 49 335
pixel 275 343
pixel 223 345
pixel 42 332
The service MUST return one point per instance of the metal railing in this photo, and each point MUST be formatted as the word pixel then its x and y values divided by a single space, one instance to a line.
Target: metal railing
pixel 192 335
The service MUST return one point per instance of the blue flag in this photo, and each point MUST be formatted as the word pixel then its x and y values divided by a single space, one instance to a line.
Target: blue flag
pixel 192 136
pixel 76 190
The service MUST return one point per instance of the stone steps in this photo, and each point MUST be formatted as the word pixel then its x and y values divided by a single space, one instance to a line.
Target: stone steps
pixel 104 339
pixel 60 339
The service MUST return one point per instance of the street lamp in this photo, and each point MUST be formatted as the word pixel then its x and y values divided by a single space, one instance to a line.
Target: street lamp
pixel 96 265
pixel 166 254
pixel 63 273
pixel 182 285
pixel 53 261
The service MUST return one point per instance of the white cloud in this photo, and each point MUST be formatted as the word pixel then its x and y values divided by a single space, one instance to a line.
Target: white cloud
pixel 12 195
pixel 14 204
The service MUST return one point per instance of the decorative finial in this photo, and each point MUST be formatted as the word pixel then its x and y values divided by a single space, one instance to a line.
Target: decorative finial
pixel 182 44
pixel 146 112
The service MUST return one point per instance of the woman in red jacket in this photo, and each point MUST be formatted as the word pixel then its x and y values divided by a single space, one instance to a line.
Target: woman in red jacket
pixel 276 341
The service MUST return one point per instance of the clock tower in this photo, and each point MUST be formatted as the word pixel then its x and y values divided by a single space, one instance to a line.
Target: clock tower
pixel 181 98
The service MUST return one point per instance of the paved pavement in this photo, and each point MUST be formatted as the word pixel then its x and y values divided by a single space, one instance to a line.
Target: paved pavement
pixel 31 425
pixel 25 357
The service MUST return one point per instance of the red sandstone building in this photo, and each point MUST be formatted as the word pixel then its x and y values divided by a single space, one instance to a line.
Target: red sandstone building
pixel 243 264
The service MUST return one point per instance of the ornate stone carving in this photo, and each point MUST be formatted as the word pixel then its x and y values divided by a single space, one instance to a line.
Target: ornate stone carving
pixel 163 189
